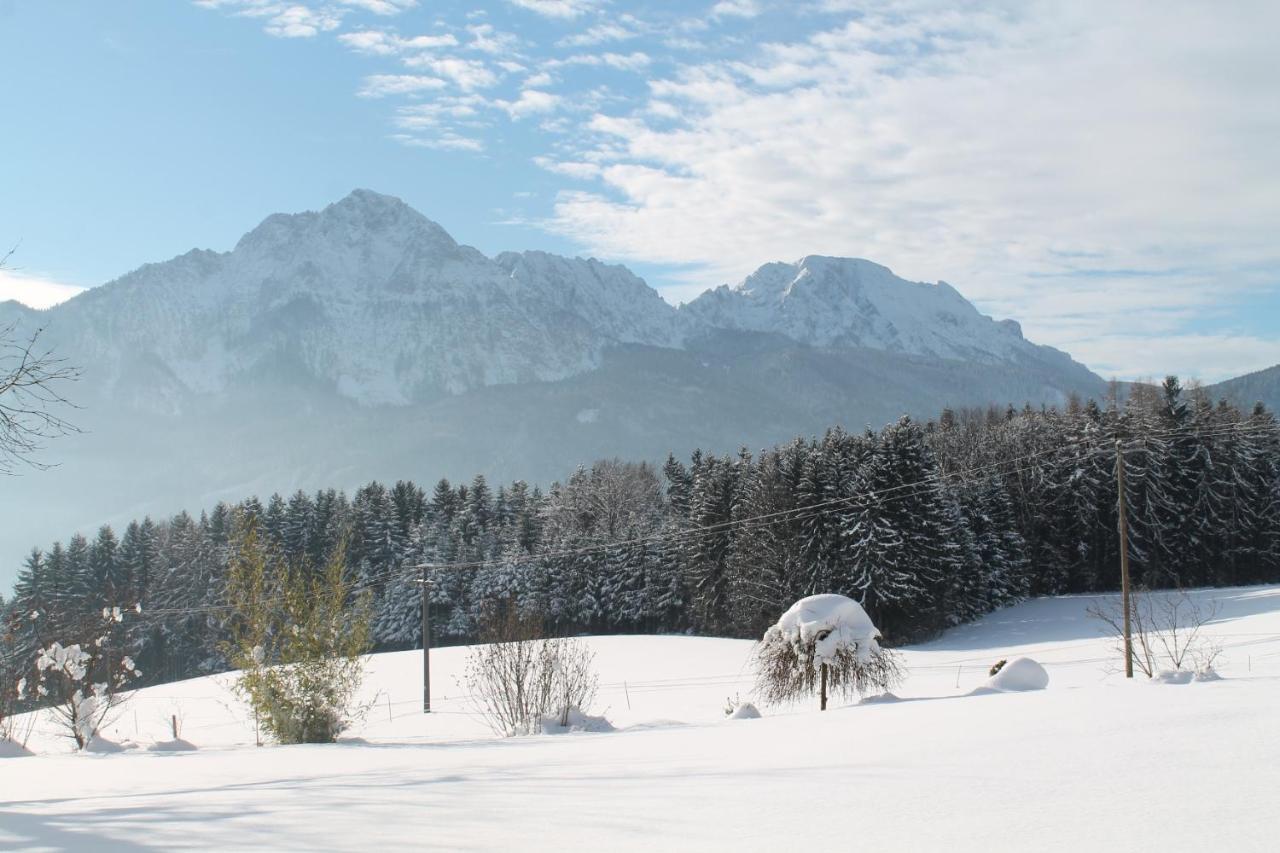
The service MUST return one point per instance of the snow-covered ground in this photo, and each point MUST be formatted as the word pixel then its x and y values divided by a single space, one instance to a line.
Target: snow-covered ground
pixel 1090 763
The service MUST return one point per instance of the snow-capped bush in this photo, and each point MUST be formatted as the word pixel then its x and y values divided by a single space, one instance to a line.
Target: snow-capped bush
pixel 1019 674
pixel 824 644
pixel 82 682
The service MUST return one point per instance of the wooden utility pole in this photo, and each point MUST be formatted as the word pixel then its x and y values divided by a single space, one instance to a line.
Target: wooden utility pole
pixel 1124 563
pixel 426 639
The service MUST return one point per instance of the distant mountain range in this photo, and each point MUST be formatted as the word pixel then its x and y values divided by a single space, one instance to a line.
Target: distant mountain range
pixel 362 341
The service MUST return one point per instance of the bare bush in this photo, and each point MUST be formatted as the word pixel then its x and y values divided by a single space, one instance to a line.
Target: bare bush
pixel 519 681
pixel 31 382
pixel 1166 627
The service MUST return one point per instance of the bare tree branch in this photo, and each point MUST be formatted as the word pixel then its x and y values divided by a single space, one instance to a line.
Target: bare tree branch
pixel 31 379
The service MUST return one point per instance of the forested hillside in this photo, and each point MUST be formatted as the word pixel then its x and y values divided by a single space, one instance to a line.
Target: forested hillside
pixel 928 524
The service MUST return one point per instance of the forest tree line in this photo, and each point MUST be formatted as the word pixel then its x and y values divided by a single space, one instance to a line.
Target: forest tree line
pixel 927 524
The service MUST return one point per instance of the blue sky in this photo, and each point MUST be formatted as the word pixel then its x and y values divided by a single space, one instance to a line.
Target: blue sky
pixel 1108 176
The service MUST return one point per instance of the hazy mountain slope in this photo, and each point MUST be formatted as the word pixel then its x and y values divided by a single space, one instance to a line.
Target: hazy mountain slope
pixel 1262 386
pixel 328 348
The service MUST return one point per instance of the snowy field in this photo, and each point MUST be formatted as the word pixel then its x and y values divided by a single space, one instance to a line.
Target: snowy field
pixel 1090 763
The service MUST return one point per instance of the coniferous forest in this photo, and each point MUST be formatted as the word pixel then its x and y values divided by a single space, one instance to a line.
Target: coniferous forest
pixel 928 524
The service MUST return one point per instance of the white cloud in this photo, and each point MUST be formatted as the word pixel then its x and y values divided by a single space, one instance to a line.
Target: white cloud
pixel 736 9
pixel 556 8
pixel 1033 155
pixel 634 61
pixel 447 141
pixel 599 34
pixel 379 43
pixel 384 85
pixel 486 39
pixel 468 74
pixel 382 7
pixel 531 102
pixel 34 291
pixel 283 20
pixel 301 22
pixel 576 170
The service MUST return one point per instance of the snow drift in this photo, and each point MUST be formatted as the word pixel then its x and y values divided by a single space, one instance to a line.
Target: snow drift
pixel 1020 674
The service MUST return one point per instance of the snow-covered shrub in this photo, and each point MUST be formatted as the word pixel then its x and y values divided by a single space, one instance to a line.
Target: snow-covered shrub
pixel 521 683
pixel 8 689
pixel 82 683
pixel 996 667
pixel 575 721
pixel 823 644
pixel 299 640
pixel 1019 674
pixel 1207 673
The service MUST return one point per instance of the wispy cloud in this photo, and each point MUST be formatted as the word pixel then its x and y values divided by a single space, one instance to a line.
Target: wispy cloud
pixel 736 9
pixel 1046 158
pixel 486 39
pixel 383 85
pixel 557 8
pixel 283 20
pixel 634 61
pixel 305 19
pixel 468 74
pixel 448 141
pixel 599 34
pixel 531 102
pixel 975 147
pixel 382 7
pixel 379 43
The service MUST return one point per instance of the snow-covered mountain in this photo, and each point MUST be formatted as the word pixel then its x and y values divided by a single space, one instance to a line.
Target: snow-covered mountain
pixel 368 297
pixel 850 302
pixel 375 301
pixel 327 348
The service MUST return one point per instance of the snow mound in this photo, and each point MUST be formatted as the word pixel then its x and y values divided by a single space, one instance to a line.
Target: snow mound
pixel 1020 674
pixel 883 699
pixel 578 722
pixel 831 622
pixel 13 749
pixel 1208 674
pixel 1173 676
pixel 745 711
pixel 102 746
pixel 174 745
